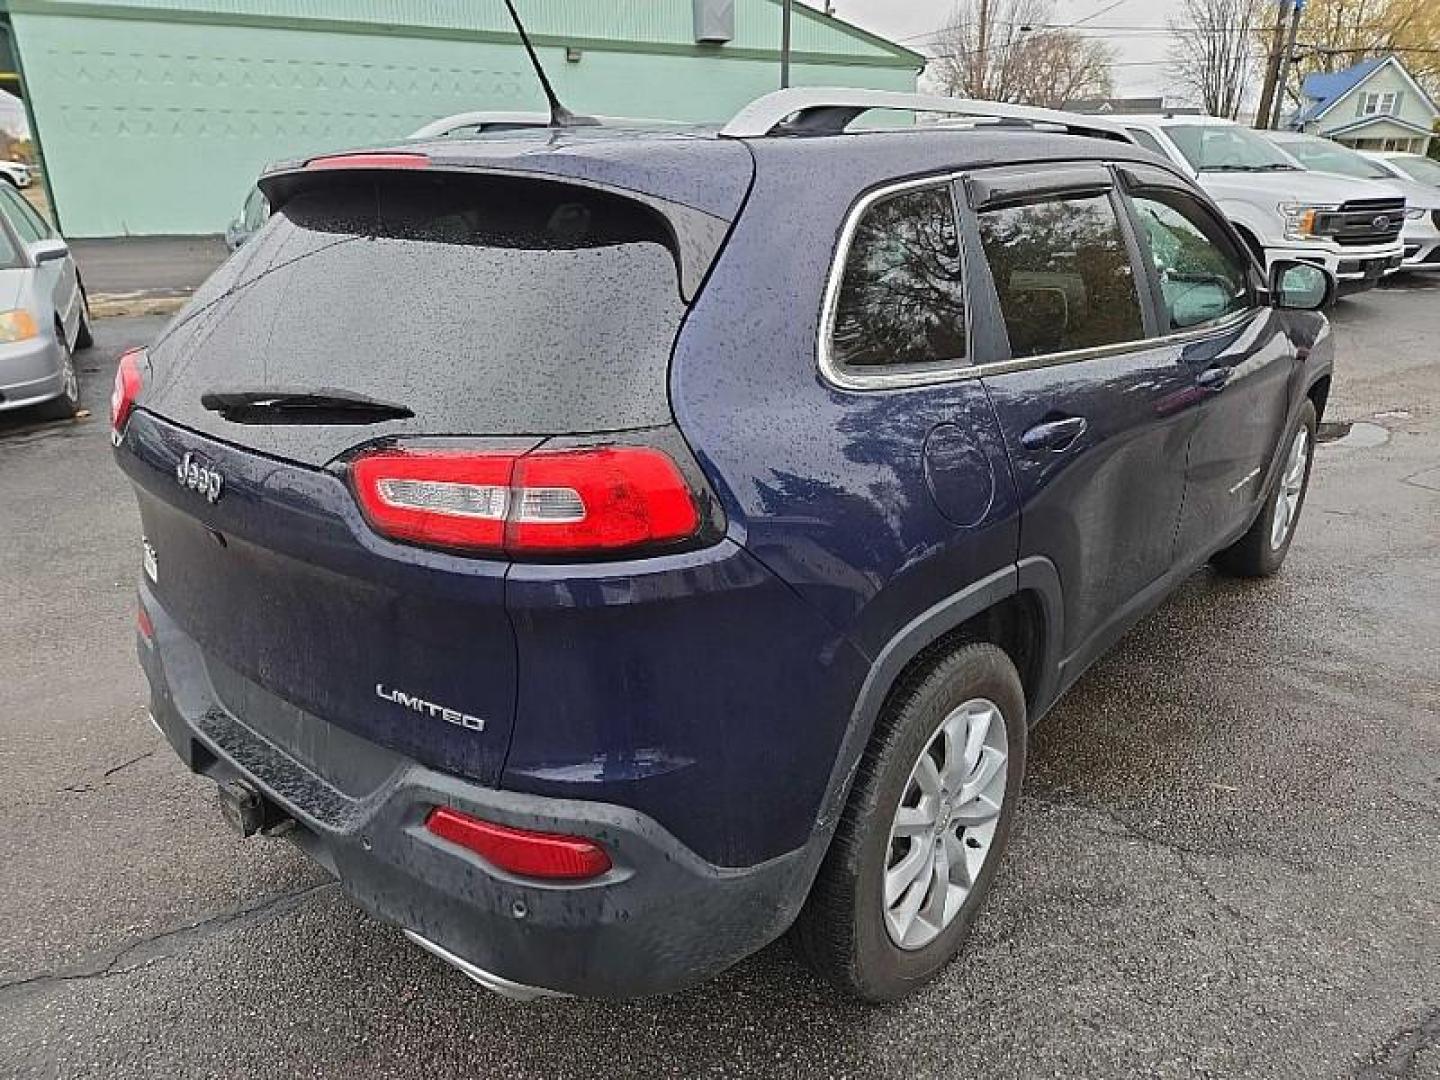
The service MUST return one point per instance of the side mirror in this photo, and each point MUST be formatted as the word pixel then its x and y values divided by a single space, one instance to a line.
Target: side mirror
pixel 43 251
pixel 1300 286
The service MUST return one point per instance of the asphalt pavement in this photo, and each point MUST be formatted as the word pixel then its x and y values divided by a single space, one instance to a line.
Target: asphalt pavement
pixel 1227 861
pixel 128 275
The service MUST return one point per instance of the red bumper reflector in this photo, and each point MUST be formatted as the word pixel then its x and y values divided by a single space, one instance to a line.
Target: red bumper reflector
pixel 369 161
pixel 521 851
pixel 144 625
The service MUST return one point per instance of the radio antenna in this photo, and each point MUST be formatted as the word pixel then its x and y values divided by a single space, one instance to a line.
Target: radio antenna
pixel 560 117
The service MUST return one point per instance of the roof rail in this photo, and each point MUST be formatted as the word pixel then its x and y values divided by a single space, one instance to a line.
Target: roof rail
pixel 509 121
pixel 447 124
pixel 828 111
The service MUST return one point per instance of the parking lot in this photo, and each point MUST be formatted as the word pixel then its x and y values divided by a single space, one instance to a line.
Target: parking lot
pixel 1227 861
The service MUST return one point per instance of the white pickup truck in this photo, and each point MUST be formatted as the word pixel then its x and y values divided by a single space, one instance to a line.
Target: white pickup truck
pixel 1351 227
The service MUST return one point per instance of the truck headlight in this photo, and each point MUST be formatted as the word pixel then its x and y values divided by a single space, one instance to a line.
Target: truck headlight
pixel 1300 218
pixel 1415 213
pixel 17 325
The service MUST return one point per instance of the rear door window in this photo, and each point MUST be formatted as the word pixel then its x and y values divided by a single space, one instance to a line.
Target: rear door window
pixel 901 303
pixel 1063 275
pixel 485 305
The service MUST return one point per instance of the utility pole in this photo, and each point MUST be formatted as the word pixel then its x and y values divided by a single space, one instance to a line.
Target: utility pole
pixel 1286 59
pixel 785 44
pixel 977 77
pixel 1272 66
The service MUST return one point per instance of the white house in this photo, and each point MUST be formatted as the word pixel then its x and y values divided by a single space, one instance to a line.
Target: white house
pixel 1375 105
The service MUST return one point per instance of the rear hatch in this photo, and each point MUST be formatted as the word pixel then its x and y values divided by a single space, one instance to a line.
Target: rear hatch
pixel 436 308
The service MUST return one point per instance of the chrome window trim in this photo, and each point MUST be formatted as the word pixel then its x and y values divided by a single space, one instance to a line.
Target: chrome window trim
pixel 941 372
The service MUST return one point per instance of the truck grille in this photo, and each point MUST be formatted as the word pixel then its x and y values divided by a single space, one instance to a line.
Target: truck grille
pixel 1362 221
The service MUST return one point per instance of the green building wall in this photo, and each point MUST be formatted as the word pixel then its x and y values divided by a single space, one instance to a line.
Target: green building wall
pixel 155 117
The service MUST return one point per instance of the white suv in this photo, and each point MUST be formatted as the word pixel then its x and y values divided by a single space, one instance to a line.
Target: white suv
pixel 1351 227
pixel 16 172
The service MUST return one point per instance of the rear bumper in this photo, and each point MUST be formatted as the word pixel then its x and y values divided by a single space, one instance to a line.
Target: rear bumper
pixel 660 920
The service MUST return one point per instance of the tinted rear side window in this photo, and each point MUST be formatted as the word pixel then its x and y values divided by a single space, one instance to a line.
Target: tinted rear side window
pixel 485 305
pixel 1063 275
pixel 901 301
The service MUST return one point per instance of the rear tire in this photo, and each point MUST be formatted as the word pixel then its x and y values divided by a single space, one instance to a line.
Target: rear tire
pixel 84 337
pixel 1261 551
pixel 958 810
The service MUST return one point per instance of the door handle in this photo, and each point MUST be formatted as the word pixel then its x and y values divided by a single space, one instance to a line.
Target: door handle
pixel 1054 435
pixel 1213 378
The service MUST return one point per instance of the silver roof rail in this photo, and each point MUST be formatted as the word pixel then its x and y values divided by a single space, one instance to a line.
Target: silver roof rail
pixel 509 121
pixel 828 111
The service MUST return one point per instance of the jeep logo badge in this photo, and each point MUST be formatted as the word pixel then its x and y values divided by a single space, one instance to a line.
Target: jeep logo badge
pixel 190 473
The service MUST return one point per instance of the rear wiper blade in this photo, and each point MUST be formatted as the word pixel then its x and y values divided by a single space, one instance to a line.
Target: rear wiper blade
pixel 275 405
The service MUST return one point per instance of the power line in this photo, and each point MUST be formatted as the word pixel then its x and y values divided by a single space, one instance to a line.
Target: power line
pixel 1137 30
pixel 1094 15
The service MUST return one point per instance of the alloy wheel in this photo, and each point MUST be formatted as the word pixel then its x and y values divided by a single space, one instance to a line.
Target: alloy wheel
pixel 1292 486
pixel 69 379
pixel 943 829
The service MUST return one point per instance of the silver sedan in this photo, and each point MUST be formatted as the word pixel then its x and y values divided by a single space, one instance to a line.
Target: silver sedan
pixel 44 317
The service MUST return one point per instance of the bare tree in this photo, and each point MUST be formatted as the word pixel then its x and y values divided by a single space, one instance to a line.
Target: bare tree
pixel 1345 32
pixel 1057 66
pixel 1007 50
pixel 1215 50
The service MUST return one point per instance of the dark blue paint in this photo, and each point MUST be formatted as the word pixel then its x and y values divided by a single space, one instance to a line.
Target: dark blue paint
pixel 306 601
pixel 726 692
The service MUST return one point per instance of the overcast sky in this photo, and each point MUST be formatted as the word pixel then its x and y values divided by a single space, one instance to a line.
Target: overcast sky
pixel 1135 27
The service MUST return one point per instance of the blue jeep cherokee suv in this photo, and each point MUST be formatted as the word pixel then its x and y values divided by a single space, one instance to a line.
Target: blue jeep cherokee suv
pixel 605 550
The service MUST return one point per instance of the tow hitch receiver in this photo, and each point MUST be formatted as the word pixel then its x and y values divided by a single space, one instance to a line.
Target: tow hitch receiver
pixel 246 810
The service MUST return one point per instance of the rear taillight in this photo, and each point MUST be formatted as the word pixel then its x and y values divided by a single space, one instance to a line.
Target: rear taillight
pixel 597 500
pixel 552 856
pixel 128 380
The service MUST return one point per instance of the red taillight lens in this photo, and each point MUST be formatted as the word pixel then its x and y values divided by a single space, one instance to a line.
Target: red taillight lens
pixel 369 161
pixel 128 381
pixel 144 625
pixel 436 498
pixel 597 500
pixel 521 851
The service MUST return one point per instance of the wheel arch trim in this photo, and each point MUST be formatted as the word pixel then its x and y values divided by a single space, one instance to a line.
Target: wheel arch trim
pixel 1035 574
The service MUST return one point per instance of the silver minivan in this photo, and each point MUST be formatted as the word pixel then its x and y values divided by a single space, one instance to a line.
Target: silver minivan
pixel 44 317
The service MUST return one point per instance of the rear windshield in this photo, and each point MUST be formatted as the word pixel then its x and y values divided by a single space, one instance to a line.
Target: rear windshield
pixel 484 305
